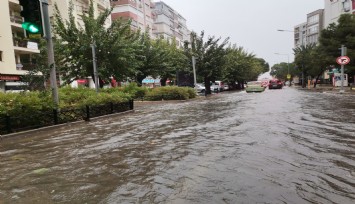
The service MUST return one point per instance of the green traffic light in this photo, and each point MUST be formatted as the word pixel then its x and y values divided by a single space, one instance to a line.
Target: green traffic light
pixel 33 28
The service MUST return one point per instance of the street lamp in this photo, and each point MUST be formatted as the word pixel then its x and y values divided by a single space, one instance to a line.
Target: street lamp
pixel 288 65
pixel 281 30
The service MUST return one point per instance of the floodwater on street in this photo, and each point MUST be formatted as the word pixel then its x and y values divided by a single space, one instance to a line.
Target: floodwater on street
pixel 279 146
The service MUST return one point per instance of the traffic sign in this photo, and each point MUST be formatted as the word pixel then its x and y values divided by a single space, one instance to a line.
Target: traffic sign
pixel 343 60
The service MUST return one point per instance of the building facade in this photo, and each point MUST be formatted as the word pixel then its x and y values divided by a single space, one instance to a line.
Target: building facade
pixel 334 8
pixel 315 23
pixel 17 51
pixel 308 32
pixel 169 24
pixel 138 11
pixel 300 32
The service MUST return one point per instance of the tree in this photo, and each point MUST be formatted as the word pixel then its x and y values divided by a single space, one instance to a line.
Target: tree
pixel 209 55
pixel 241 66
pixel 116 46
pixel 303 59
pixel 335 35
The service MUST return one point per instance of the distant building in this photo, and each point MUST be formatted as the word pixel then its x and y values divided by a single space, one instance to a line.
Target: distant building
pixel 138 11
pixel 334 8
pixel 315 23
pixel 169 24
pixel 308 32
pixel 300 37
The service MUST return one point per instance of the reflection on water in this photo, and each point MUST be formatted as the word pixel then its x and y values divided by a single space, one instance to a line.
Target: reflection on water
pixel 279 146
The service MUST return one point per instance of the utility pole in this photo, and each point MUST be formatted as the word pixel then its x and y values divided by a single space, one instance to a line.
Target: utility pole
pixel 96 77
pixel 48 36
pixel 194 69
pixel 343 53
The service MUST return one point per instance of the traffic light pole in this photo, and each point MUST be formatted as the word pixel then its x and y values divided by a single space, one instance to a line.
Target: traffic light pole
pixel 50 52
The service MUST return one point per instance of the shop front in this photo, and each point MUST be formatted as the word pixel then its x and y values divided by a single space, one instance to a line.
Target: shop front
pixel 10 83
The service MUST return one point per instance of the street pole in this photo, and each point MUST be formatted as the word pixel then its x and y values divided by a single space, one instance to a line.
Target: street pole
pixel 288 69
pixel 194 69
pixel 96 77
pixel 48 37
pixel 343 53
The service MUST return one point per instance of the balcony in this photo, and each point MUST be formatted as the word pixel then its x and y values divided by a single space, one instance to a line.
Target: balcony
pixel 104 3
pixel 16 19
pixel 23 46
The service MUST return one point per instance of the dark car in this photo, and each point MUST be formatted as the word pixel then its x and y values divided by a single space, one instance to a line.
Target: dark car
pixel 275 84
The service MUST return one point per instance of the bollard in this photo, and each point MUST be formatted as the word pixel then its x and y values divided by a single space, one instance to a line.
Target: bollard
pixel 131 104
pixel 55 116
pixel 8 124
pixel 87 113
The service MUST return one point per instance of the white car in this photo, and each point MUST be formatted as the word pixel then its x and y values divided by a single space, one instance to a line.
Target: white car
pixel 200 88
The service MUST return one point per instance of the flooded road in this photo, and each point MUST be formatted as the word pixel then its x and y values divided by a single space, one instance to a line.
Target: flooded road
pixel 279 146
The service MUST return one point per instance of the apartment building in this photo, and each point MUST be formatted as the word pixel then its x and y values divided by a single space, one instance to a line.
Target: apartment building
pixel 16 50
pixel 309 32
pixel 138 11
pixel 300 32
pixel 169 24
pixel 80 8
pixel 315 23
pixel 334 8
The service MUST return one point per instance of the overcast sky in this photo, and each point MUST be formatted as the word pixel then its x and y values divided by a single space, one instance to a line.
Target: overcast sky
pixel 250 24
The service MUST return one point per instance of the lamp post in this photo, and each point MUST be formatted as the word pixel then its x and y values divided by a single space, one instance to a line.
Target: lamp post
pixel 194 69
pixel 288 65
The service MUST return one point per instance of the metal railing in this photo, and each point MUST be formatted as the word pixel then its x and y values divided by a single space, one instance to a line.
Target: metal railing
pixel 17 123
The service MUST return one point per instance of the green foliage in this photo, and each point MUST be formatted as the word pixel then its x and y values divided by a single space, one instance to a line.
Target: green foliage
pixel 80 97
pixel 241 66
pixel 170 93
pixel 209 55
pixel 132 89
pixel 24 103
pixel 116 46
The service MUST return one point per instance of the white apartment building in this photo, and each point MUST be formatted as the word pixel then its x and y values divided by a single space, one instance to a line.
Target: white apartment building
pixel 309 32
pixel 169 24
pixel 80 8
pixel 16 51
pixel 300 37
pixel 334 8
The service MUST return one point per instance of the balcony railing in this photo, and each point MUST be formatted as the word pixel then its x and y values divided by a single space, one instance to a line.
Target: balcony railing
pixel 16 19
pixel 25 44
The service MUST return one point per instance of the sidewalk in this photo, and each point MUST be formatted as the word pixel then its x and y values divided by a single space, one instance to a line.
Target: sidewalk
pixel 325 88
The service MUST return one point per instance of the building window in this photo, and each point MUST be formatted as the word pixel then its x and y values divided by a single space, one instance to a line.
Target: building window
pixel 0 56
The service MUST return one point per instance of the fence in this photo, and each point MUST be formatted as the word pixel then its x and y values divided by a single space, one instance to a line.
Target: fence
pixel 10 124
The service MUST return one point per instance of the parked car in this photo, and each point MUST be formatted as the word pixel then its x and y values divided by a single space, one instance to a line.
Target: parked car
pixel 275 84
pixel 215 88
pixel 220 85
pixel 254 86
pixel 200 88
pixel 226 87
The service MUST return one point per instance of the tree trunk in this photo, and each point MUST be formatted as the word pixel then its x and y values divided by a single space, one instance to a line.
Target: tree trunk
pixel 315 83
pixel 207 85
pixel 163 81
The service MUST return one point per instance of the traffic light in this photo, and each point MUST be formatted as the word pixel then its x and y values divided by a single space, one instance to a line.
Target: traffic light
pixel 31 12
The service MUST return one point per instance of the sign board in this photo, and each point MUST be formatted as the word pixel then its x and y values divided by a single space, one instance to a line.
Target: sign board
pixel 288 76
pixel 32 45
pixel 343 60
pixel 9 77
